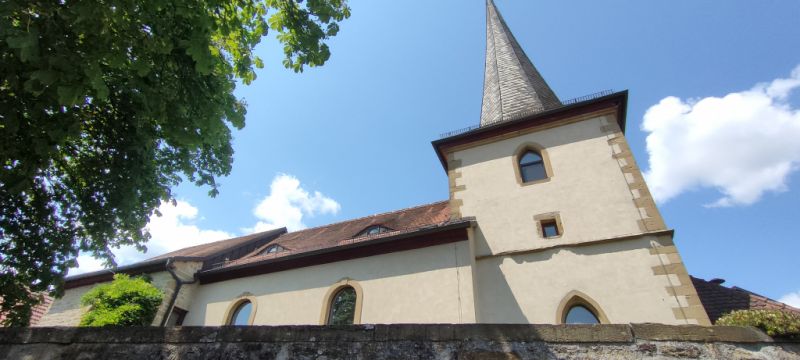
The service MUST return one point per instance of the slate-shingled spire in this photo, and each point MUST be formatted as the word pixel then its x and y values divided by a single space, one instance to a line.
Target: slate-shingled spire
pixel 511 84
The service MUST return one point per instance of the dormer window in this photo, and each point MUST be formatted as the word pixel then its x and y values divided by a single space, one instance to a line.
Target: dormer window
pixel 373 230
pixel 272 249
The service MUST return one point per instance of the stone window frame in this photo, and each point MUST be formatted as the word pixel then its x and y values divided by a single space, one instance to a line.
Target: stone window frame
pixel 546 217
pixel 234 305
pixel 539 149
pixel 577 298
pixel 333 290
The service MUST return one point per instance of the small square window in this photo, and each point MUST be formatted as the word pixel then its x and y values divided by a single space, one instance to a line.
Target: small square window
pixel 549 228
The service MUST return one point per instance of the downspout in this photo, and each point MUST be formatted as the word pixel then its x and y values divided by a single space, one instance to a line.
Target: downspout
pixel 178 284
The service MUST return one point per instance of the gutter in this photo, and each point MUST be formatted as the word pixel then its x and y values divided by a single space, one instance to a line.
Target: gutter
pixel 108 274
pixel 178 284
pixel 526 121
pixel 399 242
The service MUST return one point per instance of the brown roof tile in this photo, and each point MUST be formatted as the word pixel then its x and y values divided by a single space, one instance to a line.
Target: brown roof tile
pixel 344 233
pixel 208 249
pixel 719 300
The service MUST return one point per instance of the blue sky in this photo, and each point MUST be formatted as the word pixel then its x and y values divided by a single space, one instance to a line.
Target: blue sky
pixel 352 138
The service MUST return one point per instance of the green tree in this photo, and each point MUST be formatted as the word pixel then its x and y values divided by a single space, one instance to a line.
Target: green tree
pixel 107 104
pixel 125 301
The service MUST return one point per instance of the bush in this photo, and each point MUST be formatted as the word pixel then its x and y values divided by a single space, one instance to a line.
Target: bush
pixel 773 322
pixel 125 301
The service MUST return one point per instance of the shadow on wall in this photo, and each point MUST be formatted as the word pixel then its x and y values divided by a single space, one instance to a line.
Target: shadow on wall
pixel 498 304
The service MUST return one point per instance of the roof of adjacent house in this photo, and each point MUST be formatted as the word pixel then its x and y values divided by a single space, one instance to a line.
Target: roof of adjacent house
pixel 38 311
pixel 719 300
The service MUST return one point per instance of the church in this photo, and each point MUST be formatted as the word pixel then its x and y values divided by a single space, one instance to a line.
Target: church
pixel 548 220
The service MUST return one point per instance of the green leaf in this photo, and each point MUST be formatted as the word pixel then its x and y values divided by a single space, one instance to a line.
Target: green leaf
pixel 25 40
pixel 126 99
pixel 46 77
pixel 69 95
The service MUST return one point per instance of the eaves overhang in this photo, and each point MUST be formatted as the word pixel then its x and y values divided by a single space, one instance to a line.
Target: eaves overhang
pixel 618 99
pixel 159 263
pixel 454 231
pixel 133 269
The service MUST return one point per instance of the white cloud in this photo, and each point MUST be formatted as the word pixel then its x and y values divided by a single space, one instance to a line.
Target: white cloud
pixel 791 299
pixel 743 144
pixel 287 204
pixel 171 231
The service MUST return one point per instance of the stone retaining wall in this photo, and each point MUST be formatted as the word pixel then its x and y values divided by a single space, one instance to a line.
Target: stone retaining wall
pixel 478 341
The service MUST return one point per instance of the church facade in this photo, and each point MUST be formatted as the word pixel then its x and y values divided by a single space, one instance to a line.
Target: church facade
pixel 548 220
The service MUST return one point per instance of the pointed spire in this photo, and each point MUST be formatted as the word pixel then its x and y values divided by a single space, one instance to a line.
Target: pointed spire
pixel 511 84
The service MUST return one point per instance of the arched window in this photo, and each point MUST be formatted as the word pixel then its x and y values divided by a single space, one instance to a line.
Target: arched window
pixel 579 308
pixel 343 307
pixel 241 314
pixel 373 230
pixel 579 314
pixel 531 166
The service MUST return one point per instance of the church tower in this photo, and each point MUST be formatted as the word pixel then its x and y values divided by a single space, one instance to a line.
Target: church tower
pixel 566 227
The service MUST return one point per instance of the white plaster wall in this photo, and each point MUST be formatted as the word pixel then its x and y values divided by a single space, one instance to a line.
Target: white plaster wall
pixel 528 288
pixel 67 311
pixel 427 285
pixel 586 187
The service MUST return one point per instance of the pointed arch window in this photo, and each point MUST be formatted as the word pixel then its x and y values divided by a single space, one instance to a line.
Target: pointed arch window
pixel 531 166
pixel 579 308
pixel 373 230
pixel 579 314
pixel 343 307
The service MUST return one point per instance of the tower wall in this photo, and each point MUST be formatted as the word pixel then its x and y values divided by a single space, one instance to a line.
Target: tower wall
pixel 613 246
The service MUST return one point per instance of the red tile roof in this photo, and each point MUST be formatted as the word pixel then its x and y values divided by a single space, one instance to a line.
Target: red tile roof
pixel 37 312
pixel 719 300
pixel 344 233
pixel 40 310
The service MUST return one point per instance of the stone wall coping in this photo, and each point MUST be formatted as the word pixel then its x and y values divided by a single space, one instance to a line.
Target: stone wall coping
pixel 624 333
